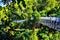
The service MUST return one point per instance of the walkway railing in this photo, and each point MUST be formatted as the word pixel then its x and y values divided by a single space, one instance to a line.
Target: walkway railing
pixel 52 22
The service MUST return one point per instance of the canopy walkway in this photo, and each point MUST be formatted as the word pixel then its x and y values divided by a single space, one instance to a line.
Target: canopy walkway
pixel 51 22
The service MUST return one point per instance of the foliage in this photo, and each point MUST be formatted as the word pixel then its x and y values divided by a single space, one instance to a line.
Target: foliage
pixel 27 9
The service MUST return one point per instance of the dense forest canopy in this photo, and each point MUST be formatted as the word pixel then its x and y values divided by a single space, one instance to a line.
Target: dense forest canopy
pixel 27 9
pixel 23 9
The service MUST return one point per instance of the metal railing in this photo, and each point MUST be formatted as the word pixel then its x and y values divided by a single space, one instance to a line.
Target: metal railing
pixel 51 22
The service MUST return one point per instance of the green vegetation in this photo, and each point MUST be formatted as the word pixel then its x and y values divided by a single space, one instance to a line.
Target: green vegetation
pixel 28 30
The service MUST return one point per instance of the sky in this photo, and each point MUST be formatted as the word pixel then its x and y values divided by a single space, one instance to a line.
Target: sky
pixel 2 4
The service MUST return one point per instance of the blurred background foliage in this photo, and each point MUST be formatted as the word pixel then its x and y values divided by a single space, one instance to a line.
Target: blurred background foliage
pixel 27 9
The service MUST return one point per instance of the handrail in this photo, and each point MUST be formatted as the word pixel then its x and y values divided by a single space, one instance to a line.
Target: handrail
pixel 43 18
pixel 51 22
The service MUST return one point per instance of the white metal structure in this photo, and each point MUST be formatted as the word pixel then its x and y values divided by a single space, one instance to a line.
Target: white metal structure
pixel 52 22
